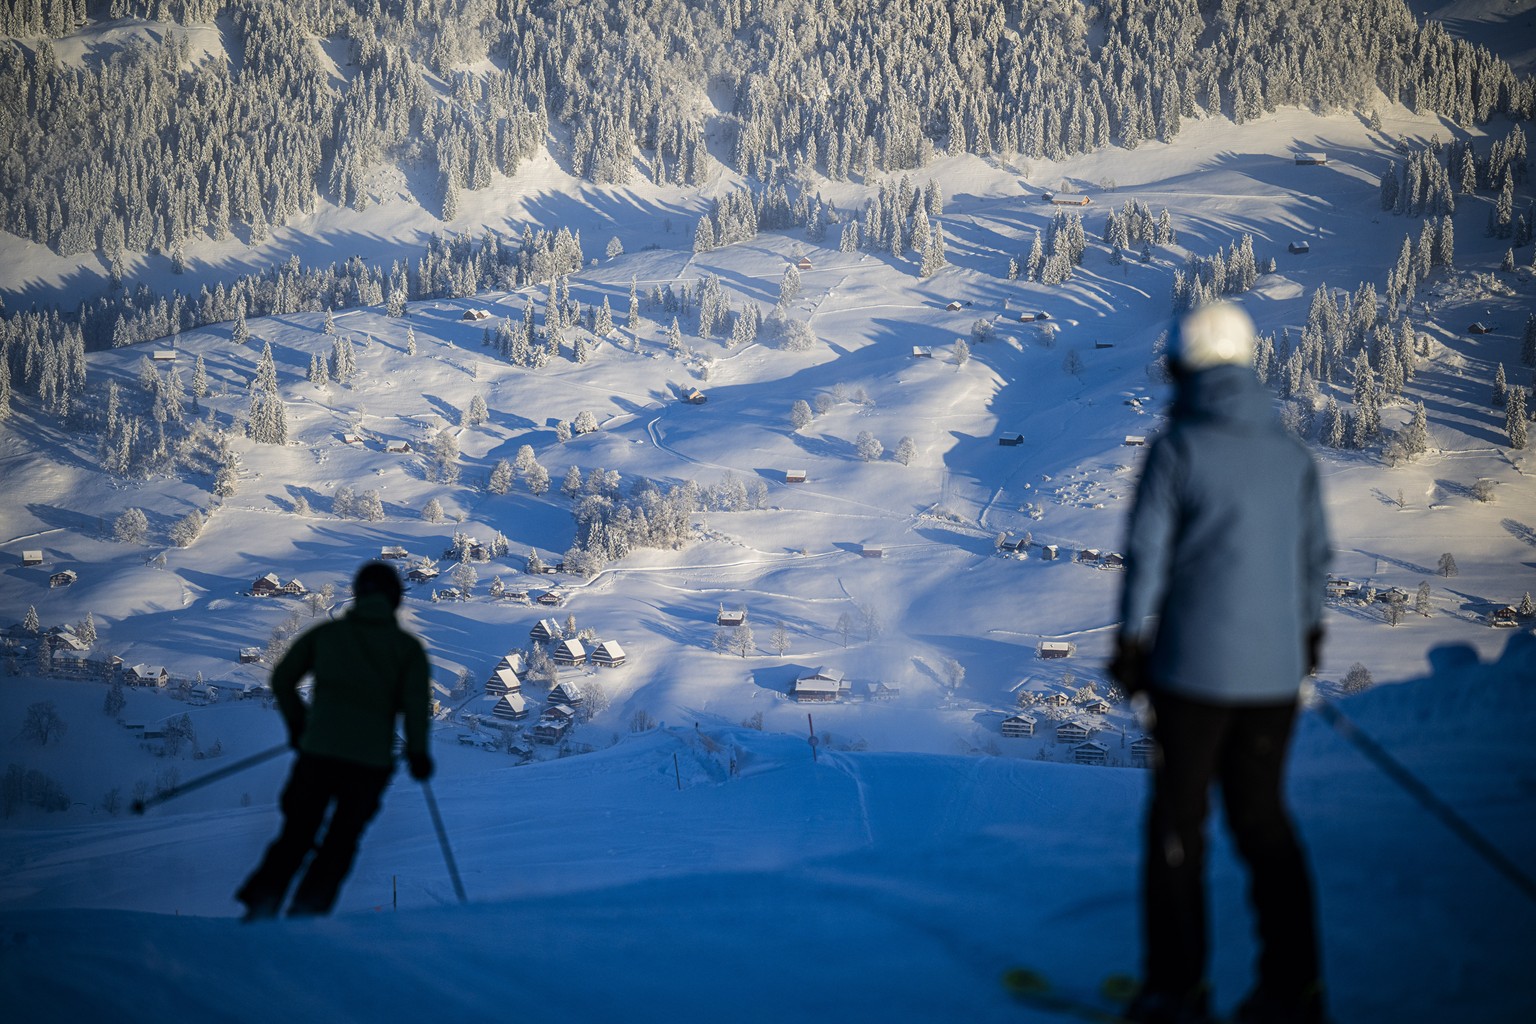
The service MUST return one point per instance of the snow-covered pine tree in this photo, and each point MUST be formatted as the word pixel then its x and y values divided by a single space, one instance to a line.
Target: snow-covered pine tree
pixel 1515 418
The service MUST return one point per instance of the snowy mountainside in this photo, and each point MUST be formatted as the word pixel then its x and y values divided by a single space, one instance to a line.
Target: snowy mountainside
pixel 1074 387
pixel 924 851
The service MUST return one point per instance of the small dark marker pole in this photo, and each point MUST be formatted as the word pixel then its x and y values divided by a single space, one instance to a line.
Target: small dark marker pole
pixel 813 741
pixel 678 771
pixel 394 891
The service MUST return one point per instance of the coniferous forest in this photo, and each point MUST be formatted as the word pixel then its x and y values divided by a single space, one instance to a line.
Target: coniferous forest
pixel 151 146
pixel 159 143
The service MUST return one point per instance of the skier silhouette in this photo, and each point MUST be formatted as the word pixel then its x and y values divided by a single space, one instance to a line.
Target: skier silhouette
pixel 1221 618
pixel 366 671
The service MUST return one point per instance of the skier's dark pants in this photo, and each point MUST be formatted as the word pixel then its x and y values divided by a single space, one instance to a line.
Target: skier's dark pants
pixel 1243 748
pixel 314 785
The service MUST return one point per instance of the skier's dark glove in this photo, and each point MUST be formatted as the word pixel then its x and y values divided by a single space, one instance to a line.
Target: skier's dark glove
pixel 421 766
pixel 1129 665
pixel 1314 650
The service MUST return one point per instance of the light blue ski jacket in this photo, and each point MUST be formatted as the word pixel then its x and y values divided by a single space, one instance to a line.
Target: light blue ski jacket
pixel 1227 547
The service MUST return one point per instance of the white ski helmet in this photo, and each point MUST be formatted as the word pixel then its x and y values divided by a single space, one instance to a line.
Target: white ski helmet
pixel 1219 334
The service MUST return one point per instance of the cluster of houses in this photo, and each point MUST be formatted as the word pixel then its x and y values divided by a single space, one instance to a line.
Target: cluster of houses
pixel 1084 748
pixel 504 686
pixel 826 685
pixel 1094 558
pixel 565 650
pixel 1019 546
pixel 72 657
pixel 271 585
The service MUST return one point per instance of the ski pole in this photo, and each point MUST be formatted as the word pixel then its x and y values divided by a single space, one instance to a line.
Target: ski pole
pixel 1395 771
pixel 442 840
pixel 140 806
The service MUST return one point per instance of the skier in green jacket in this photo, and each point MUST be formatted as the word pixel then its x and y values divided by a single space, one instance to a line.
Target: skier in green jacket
pixel 366 671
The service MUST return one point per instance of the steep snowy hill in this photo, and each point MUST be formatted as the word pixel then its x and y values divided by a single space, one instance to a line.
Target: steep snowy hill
pixel 648 882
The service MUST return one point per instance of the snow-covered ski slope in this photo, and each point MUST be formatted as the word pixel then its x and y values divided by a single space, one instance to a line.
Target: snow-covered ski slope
pixel 867 886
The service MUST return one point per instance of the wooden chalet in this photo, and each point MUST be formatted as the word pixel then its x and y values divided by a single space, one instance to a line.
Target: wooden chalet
pixel 1143 750
pixel 730 616
pixel 1299 247
pixel 1010 440
pixel 804 263
pixel 1478 327
pixel 1050 552
pixel 551 730
pixel 1071 732
pixel 1070 199
pixel 954 304
pixel 32 557
pixel 1311 159
pixel 267 586
pixel 63 579
pixel 476 314
pixel 393 553
pixel 1090 752
pixel 544 631
pixel 1135 440
pixel 569 652
pixel 1019 726
pixel 148 675
pixel 502 680
pixel 511 706
pixel 608 654
pixel 294 588
pixel 355 440
pixel 922 352
pixel 1055 649
pixel 1097 706
pixel 566 695
pixel 65 640
pixel 1030 316
pixel 551 599
pixel 794 476
pixel 1504 618
pixel 164 355
pixel 1056 700
pixel 871 551
pixel 1338 587
pixel 250 655
pixel 77 663
pixel 1113 560
pixel 883 691
pixel 822 686
pixel 559 713
pixel 422 574
pixel 695 397
pixel 398 447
